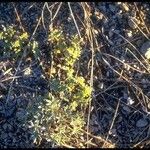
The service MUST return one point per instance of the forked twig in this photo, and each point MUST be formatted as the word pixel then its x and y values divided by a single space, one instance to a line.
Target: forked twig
pixel 74 20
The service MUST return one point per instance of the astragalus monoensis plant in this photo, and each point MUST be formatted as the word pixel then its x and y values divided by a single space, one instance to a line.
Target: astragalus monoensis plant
pixel 59 115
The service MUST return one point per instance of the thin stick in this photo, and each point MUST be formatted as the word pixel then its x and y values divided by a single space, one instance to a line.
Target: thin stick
pixel 56 12
pixel 90 38
pixel 98 138
pixel 16 77
pixel 112 122
pixel 52 18
pixel 74 20
pixel 42 14
pixel 18 18
pixel 124 63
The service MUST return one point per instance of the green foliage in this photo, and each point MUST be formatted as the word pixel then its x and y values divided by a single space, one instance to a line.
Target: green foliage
pixel 14 42
pixel 59 115
pixel 62 109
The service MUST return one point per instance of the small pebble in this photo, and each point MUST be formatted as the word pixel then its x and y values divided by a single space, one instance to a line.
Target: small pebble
pixel 141 123
pixel 129 34
pixel 117 31
pixel 147 54
pixel 145 47
pixel 130 101
pixel 113 132
pixel 112 8
pixel 1 108
pixel 127 109
pixel 119 3
pixel 21 115
pixel 125 95
pixel 110 34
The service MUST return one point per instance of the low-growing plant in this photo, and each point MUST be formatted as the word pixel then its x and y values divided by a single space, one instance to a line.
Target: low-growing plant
pixel 13 42
pixel 59 115
pixel 61 112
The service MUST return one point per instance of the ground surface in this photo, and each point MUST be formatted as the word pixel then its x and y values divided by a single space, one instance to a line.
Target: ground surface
pixel 121 99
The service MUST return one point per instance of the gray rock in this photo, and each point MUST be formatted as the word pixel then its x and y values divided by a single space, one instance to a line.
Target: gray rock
pixel 21 115
pixel 22 102
pixel 112 8
pixel 9 128
pixel 9 112
pixel 145 46
pixel 141 123
pixel 127 109
pixel 4 135
pixel 1 22
pixel 139 43
pixel 110 34
pixel 117 31
pixel 125 95
pixel 119 40
pixel 1 108
pixel 5 126
pixel 145 49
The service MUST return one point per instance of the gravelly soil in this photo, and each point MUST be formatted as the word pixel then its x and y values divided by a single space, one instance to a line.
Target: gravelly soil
pixel 115 30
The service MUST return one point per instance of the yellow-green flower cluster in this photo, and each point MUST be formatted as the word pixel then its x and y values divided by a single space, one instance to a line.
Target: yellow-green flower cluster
pixel 13 40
